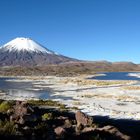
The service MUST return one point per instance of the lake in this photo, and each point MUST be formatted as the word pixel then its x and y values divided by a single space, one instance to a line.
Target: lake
pixel 25 90
pixel 117 76
pixel 16 89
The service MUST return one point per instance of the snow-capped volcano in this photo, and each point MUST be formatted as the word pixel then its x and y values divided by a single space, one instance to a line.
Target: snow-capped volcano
pixel 27 52
pixel 25 44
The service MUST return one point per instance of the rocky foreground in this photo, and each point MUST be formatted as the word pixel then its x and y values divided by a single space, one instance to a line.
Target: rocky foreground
pixel 41 120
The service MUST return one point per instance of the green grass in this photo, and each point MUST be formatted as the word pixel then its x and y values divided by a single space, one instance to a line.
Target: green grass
pixel 47 116
pixel 5 106
pixel 62 107
pixel 44 102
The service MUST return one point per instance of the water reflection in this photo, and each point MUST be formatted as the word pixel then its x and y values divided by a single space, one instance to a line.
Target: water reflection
pixel 117 76
pixel 22 89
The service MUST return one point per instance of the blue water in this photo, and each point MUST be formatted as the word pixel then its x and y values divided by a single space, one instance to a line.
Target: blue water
pixel 22 89
pixel 116 76
pixel 26 89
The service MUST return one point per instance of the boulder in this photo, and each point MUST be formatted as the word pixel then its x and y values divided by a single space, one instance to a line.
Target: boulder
pixel 67 124
pixel 88 129
pixel 22 113
pixel 59 131
pixel 114 132
pixel 22 108
pixel 62 118
pixel 79 128
pixel 83 119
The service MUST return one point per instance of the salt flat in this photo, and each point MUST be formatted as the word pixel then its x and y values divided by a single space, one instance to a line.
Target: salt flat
pixel 116 99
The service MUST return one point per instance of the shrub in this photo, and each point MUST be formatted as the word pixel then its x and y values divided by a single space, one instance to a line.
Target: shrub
pixel 44 102
pixel 41 126
pixel 7 128
pixel 47 116
pixel 4 106
pixel 63 107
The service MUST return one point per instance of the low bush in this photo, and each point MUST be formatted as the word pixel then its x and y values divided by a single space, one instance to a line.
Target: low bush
pixel 5 106
pixel 44 102
pixel 47 116
pixel 7 128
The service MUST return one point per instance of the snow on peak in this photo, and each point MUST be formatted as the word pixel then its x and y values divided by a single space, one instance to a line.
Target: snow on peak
pixel 25 44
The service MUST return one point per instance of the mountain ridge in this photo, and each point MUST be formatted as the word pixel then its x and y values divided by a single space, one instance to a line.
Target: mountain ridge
pixel 27 52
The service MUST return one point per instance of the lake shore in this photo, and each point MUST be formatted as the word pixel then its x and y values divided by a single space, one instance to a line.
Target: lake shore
pixel 115 99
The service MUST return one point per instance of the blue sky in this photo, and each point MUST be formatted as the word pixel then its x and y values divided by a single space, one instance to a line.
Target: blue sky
pixel 83 29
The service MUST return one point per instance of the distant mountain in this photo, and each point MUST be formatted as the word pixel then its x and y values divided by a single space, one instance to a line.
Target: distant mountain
pixel 27 52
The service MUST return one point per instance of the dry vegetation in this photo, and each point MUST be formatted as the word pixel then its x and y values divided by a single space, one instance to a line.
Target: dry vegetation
pixel 82 82
pixel 77 103
pixel 90 95
pixel 69 69
pixel 131 88
pixel 125 98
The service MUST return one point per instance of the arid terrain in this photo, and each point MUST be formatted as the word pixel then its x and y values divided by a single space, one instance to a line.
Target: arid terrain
pixel 69 69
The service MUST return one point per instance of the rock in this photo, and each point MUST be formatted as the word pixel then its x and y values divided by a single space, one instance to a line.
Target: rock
pixel 21 121
pixel 14 117
pixel 62 118
pixel 88 129
pixel 10 111
pixel 27 131
pixel 59 131
pixel 26 128
pixel 79 128
pixel 22 113
pixel 114 131
pixel 18 103
pixel 67 124
pixel 22 108
pixel 83 119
